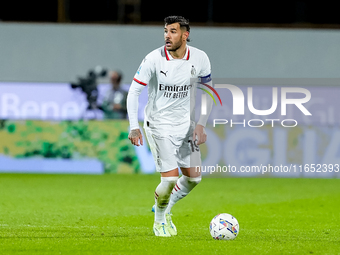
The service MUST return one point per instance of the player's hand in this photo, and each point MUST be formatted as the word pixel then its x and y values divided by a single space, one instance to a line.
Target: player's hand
pixel 135 136
pixel 200 133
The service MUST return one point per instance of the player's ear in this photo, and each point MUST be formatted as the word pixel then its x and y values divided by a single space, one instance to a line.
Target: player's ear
pixel 186 35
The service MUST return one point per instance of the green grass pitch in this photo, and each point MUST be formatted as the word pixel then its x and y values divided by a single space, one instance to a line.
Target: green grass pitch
pixel 111 214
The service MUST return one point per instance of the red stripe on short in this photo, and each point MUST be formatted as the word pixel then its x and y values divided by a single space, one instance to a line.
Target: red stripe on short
pixel 177 187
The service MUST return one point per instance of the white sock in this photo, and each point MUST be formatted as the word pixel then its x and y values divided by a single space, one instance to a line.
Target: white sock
pixel 162 196
pixel 182 188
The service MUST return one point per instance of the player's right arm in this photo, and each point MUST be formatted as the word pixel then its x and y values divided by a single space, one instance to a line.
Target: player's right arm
pixel 140 80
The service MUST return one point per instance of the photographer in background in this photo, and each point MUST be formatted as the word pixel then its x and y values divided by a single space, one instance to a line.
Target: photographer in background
pixel 114 103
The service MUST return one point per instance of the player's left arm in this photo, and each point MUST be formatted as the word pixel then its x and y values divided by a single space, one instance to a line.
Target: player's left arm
pixel 205 76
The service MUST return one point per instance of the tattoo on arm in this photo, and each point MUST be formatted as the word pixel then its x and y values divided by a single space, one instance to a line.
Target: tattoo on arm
pixel 135 133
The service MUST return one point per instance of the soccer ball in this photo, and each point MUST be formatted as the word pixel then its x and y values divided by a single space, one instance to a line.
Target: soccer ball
pixel 224 227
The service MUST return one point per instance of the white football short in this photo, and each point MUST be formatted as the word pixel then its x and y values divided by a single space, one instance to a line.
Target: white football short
pixel 171 151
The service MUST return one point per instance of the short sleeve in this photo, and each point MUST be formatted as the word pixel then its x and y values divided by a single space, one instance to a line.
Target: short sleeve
pixel 145 71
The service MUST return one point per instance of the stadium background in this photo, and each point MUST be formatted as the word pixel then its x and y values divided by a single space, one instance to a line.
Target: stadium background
pixel 41 59
pixel 45 45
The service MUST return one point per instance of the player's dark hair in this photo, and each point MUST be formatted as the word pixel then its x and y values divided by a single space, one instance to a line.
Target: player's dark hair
pixel 183 22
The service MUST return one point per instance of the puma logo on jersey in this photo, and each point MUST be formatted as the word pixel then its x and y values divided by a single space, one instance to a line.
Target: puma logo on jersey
pixel 164 72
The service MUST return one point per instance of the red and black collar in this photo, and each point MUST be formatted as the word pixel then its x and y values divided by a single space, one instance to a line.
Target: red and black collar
pixel 167 55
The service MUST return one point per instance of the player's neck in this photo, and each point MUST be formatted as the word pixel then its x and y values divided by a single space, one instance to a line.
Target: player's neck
pixel 180 52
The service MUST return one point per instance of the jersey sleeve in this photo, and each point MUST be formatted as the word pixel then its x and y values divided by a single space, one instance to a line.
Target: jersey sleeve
pixel 132 104
pixel 140 80
pixel 205 78
pixel 145 71
pixel 205 73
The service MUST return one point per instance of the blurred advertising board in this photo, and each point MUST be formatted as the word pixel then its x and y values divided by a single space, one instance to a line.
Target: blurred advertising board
pixel 265 136
pixel 272 127
pixel 86 147
pixel 50 101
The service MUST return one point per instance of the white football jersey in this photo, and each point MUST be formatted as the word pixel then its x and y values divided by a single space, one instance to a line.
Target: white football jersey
pixel 169 88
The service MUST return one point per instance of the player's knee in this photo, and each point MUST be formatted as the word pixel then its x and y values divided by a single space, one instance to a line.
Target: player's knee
pixel 195 180
pixel 170 182
pixel 165 187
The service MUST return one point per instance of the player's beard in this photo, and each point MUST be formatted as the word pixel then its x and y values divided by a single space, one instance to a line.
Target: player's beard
pixel 176 46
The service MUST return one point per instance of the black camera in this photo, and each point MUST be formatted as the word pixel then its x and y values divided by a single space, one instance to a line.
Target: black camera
pixel 89 85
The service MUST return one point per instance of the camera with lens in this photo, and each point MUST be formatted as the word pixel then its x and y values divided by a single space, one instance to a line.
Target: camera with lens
pixel 89 84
